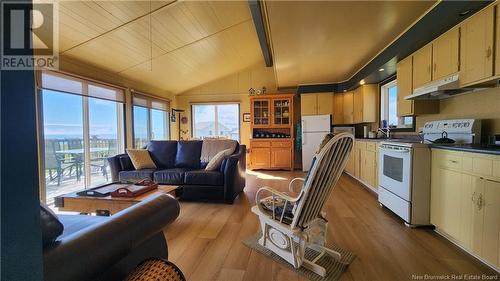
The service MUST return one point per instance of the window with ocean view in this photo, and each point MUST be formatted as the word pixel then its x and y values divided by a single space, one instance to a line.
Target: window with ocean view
pixel 216 120
pixel 82 125
pixel 151 120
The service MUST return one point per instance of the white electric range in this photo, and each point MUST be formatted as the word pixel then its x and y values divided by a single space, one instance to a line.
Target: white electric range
pixel 405 168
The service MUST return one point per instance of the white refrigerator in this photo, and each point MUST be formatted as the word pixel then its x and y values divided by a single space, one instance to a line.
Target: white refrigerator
pixel 314 129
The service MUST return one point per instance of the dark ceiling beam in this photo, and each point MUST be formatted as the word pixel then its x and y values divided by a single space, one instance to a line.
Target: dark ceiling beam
pixel 258 21
pixel 441 18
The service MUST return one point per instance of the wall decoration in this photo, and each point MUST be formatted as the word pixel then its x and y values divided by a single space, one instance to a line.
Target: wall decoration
pixel 251 92
pixel 246 117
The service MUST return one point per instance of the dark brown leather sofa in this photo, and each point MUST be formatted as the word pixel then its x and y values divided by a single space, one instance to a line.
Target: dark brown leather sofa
pixel 108 248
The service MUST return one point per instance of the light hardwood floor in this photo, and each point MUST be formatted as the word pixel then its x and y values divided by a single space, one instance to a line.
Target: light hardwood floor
pixel 205 241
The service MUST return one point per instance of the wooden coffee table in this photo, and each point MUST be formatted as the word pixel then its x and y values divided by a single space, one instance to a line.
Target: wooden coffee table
pixel 105 206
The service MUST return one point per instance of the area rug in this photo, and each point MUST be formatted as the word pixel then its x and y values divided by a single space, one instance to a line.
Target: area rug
pixel 333 267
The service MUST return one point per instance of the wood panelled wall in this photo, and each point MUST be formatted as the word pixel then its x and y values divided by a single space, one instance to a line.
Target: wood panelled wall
pixel 232 88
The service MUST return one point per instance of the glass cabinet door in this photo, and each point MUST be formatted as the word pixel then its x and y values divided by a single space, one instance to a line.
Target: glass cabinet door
pixel 281 112
pixel 261 112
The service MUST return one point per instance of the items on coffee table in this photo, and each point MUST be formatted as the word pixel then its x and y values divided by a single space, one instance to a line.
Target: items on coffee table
pixel 135 189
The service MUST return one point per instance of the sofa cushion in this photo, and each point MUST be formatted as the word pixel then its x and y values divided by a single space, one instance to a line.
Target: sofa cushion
pixel 136 175
pixel 163 153
pixel 125 162
pixel 51 226
pixel 216 161
pixel 188 154
pixel 204 177
pixel 211 147
pixel 141 159
pixel 75 223
pixel 170 176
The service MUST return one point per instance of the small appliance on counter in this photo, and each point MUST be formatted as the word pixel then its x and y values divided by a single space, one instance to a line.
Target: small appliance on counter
pixel 404 167
pixel 350 130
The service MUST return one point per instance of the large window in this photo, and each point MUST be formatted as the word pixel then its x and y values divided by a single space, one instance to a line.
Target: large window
pixel 216 120
pixel 389 108
pixel 151 120
pixel 82 124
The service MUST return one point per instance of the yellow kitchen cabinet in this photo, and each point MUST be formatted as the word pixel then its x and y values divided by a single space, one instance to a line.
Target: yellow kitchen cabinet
pixel 338 109
pixel 325 103
pixel 422 72
pixel 349 168
pixel 404 74
pixel 348 101
pixel 365 104
pixel 363 163
pixel 308 104
pixel 465 202
pixel 445 55
pixel 490 202
pixel 476 47
pixel 368 168
pixel 316 104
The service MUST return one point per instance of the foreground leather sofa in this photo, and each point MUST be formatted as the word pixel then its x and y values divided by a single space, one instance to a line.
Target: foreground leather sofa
pixel 108 248
pixel 183 163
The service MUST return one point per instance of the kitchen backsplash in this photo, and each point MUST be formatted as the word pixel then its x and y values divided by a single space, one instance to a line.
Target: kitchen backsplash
pixel 484 105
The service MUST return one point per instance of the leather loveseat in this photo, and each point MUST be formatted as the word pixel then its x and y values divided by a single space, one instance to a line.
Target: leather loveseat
pixel 183 163
pixel 105 248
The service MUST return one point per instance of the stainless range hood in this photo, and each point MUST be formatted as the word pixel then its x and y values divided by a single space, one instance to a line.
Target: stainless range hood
pixel 440 89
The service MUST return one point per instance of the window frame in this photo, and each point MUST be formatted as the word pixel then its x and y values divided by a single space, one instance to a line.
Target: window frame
pixel 215 104
pixel 149 107
pixel 382 85
pixel 84 95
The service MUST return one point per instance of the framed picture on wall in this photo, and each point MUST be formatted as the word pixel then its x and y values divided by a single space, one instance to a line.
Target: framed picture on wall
pixel 246 117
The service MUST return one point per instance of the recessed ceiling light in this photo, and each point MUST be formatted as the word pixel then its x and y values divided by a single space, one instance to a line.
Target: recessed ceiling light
pixel 345 91
pixel 381 69
pixel 362 82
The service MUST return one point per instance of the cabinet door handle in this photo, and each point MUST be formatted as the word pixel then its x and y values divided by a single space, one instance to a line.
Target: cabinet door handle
pixel 435 67
pixel 480 202
pixel 454 161
pixel 488 52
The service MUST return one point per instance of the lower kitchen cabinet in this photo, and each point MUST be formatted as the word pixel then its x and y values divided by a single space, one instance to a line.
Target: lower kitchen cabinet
pixel 271 154
pixel 363 163
pixel 465 203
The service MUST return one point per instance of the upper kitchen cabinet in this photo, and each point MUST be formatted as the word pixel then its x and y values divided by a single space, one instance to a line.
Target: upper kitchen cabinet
pixel 422 73
pixel 316 104
pixel 338 109
pixel 365 104
pixel 348 101
pixel 445 57
pixel 404 73
pixel 476 47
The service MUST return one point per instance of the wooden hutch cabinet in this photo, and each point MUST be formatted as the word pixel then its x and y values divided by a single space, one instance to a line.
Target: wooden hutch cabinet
pixel 272 139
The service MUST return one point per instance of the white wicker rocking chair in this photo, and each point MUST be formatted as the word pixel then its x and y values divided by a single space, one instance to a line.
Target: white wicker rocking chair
pixel 307 227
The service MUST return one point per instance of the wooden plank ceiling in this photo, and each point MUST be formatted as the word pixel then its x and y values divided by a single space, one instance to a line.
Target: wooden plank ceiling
pixel 316 42
pixel 192 42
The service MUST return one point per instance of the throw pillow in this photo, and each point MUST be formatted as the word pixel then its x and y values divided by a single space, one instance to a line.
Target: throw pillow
pixel 188 154
pixel 141 159
pixel 216 161
pixel 51 226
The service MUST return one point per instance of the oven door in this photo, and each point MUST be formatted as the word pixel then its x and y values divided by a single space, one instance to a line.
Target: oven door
pixel 395 169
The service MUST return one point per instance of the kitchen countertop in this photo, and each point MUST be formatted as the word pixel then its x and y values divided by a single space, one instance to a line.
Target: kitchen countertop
pixel 366 139
pixel 477 148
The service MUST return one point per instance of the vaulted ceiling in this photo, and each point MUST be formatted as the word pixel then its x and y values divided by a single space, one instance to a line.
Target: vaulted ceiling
pixel 171 45
pixel 178 45
pixel 329 41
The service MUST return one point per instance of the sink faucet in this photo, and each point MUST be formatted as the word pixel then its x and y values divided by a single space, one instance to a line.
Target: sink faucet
pixel 387 132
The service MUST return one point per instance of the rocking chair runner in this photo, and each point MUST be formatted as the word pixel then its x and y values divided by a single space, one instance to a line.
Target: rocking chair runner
pixel 308 226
